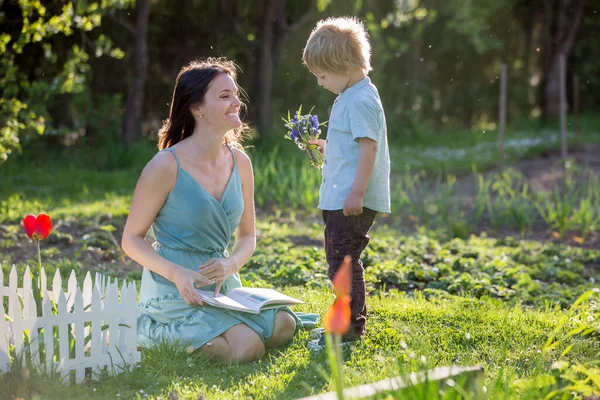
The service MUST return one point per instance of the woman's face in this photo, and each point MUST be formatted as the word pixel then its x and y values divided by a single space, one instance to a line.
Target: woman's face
pixel 221 107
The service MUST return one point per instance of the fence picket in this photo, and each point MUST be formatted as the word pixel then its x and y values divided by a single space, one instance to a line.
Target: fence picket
pixel 96 310
pixel 34 334
pixel 79 319
pixel 87 289
pixel 56 285
pixel 71 286
pixel 4 335
pixel 26 291
pixel 43 282
pixel 112 312
pixel 48 330
pixel 63 331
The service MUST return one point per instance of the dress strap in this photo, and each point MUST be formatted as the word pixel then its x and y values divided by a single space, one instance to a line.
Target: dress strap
pixel 233 155
pixel 172 151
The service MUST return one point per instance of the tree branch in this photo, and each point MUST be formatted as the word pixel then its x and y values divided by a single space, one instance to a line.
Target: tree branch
pixel 237 29
pixel 567 43
pixel 301 21
pixel 282 22
pixel 86 40
pixel 130 28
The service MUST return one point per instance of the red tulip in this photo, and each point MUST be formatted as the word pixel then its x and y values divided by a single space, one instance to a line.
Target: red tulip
pixel 342 281
pixel 37 228
pixel 337 320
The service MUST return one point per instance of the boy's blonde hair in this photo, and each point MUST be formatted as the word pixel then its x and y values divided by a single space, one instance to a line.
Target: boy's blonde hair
pixel 338 45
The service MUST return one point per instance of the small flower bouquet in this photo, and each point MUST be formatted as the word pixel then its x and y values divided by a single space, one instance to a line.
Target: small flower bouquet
pixel 301 129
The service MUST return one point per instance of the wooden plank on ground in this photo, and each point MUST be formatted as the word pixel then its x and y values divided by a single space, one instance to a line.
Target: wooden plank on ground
pixel 470 379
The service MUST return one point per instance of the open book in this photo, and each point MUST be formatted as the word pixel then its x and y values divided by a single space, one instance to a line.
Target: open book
pixel 250 300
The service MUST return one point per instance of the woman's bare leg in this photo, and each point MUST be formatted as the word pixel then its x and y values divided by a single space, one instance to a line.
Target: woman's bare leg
pixel 283 331
pixel 238 344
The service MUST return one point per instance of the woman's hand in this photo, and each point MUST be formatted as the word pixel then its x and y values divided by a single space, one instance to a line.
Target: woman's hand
pixel 217 270
pixel 184 279
pixel 320 144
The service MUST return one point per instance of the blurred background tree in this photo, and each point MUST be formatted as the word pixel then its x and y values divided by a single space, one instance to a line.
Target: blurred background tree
pixel 99 74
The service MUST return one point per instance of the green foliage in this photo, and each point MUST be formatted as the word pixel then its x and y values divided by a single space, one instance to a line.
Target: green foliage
pixel 503 200
pixel 278 189
pixel 514 271
pixel 45 34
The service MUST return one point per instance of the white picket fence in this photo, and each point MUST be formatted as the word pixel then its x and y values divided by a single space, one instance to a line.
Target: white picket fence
pixel 101 329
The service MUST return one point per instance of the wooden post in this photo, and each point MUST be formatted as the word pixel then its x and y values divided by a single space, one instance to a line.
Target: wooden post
pixel 469 379
pixel 563 107
pixel 502 116
pixel 576 121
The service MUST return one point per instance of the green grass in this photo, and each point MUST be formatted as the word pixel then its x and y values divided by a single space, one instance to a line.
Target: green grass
pixel 405 334
pixel 465 302
pixel 438 296
pixel 461 151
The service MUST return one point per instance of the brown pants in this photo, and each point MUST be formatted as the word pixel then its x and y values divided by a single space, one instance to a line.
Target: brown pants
pixel 349 236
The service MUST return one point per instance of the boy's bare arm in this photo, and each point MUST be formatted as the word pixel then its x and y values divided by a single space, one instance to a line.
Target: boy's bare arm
pixel 366 161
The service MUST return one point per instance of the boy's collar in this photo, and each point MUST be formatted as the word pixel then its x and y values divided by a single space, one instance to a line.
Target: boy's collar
pixel 357 85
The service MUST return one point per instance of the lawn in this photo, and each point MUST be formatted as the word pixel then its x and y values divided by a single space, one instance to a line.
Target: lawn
pixel 447 286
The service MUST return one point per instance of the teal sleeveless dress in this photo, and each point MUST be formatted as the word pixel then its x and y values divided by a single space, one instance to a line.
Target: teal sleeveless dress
pixel 191 228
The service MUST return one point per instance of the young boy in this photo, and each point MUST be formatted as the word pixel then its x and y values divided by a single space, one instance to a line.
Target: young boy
pixel 355 184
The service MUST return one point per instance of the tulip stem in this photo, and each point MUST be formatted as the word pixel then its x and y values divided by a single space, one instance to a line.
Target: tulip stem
pixel 334 351
pixel 337 340
pixel 39 255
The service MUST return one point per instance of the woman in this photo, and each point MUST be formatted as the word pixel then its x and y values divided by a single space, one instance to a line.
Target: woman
pixel 194 194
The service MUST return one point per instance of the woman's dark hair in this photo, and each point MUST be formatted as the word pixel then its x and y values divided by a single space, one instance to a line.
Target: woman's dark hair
pixel 191 86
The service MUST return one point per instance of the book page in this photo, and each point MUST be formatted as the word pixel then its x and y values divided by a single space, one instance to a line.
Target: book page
pixel 250 300
pixel 227 302
pixel 260 297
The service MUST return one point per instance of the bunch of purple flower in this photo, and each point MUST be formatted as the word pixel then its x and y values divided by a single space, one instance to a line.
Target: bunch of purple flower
pixel 301 129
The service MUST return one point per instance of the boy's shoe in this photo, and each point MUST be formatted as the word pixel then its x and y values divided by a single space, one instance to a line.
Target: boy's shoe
pixel 317 333
pixel 314 345
pixel 319 344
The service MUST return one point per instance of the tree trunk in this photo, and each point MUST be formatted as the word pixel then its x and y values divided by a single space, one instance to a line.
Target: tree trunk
pixel 414 73
pixel 135 96
pixel 569 20
pixel 263 78
pixel 502 114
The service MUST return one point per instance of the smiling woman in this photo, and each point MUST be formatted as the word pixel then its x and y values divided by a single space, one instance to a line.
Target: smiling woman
pixel 194 194
pixel 192 88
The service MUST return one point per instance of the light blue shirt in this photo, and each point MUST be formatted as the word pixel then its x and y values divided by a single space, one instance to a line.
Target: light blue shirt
pixel 357 113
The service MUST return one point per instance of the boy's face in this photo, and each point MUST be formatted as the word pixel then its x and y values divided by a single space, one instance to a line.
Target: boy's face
pixel 335 83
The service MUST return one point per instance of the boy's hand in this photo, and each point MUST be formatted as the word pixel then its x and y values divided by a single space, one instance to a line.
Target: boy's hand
pixel 353 205
pixel 320 143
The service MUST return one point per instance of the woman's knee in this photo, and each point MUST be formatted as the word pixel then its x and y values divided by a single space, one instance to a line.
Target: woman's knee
pixel 247 351
pixel 217 347
pixel 285 323
pixel 245 345
pixel 283 330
